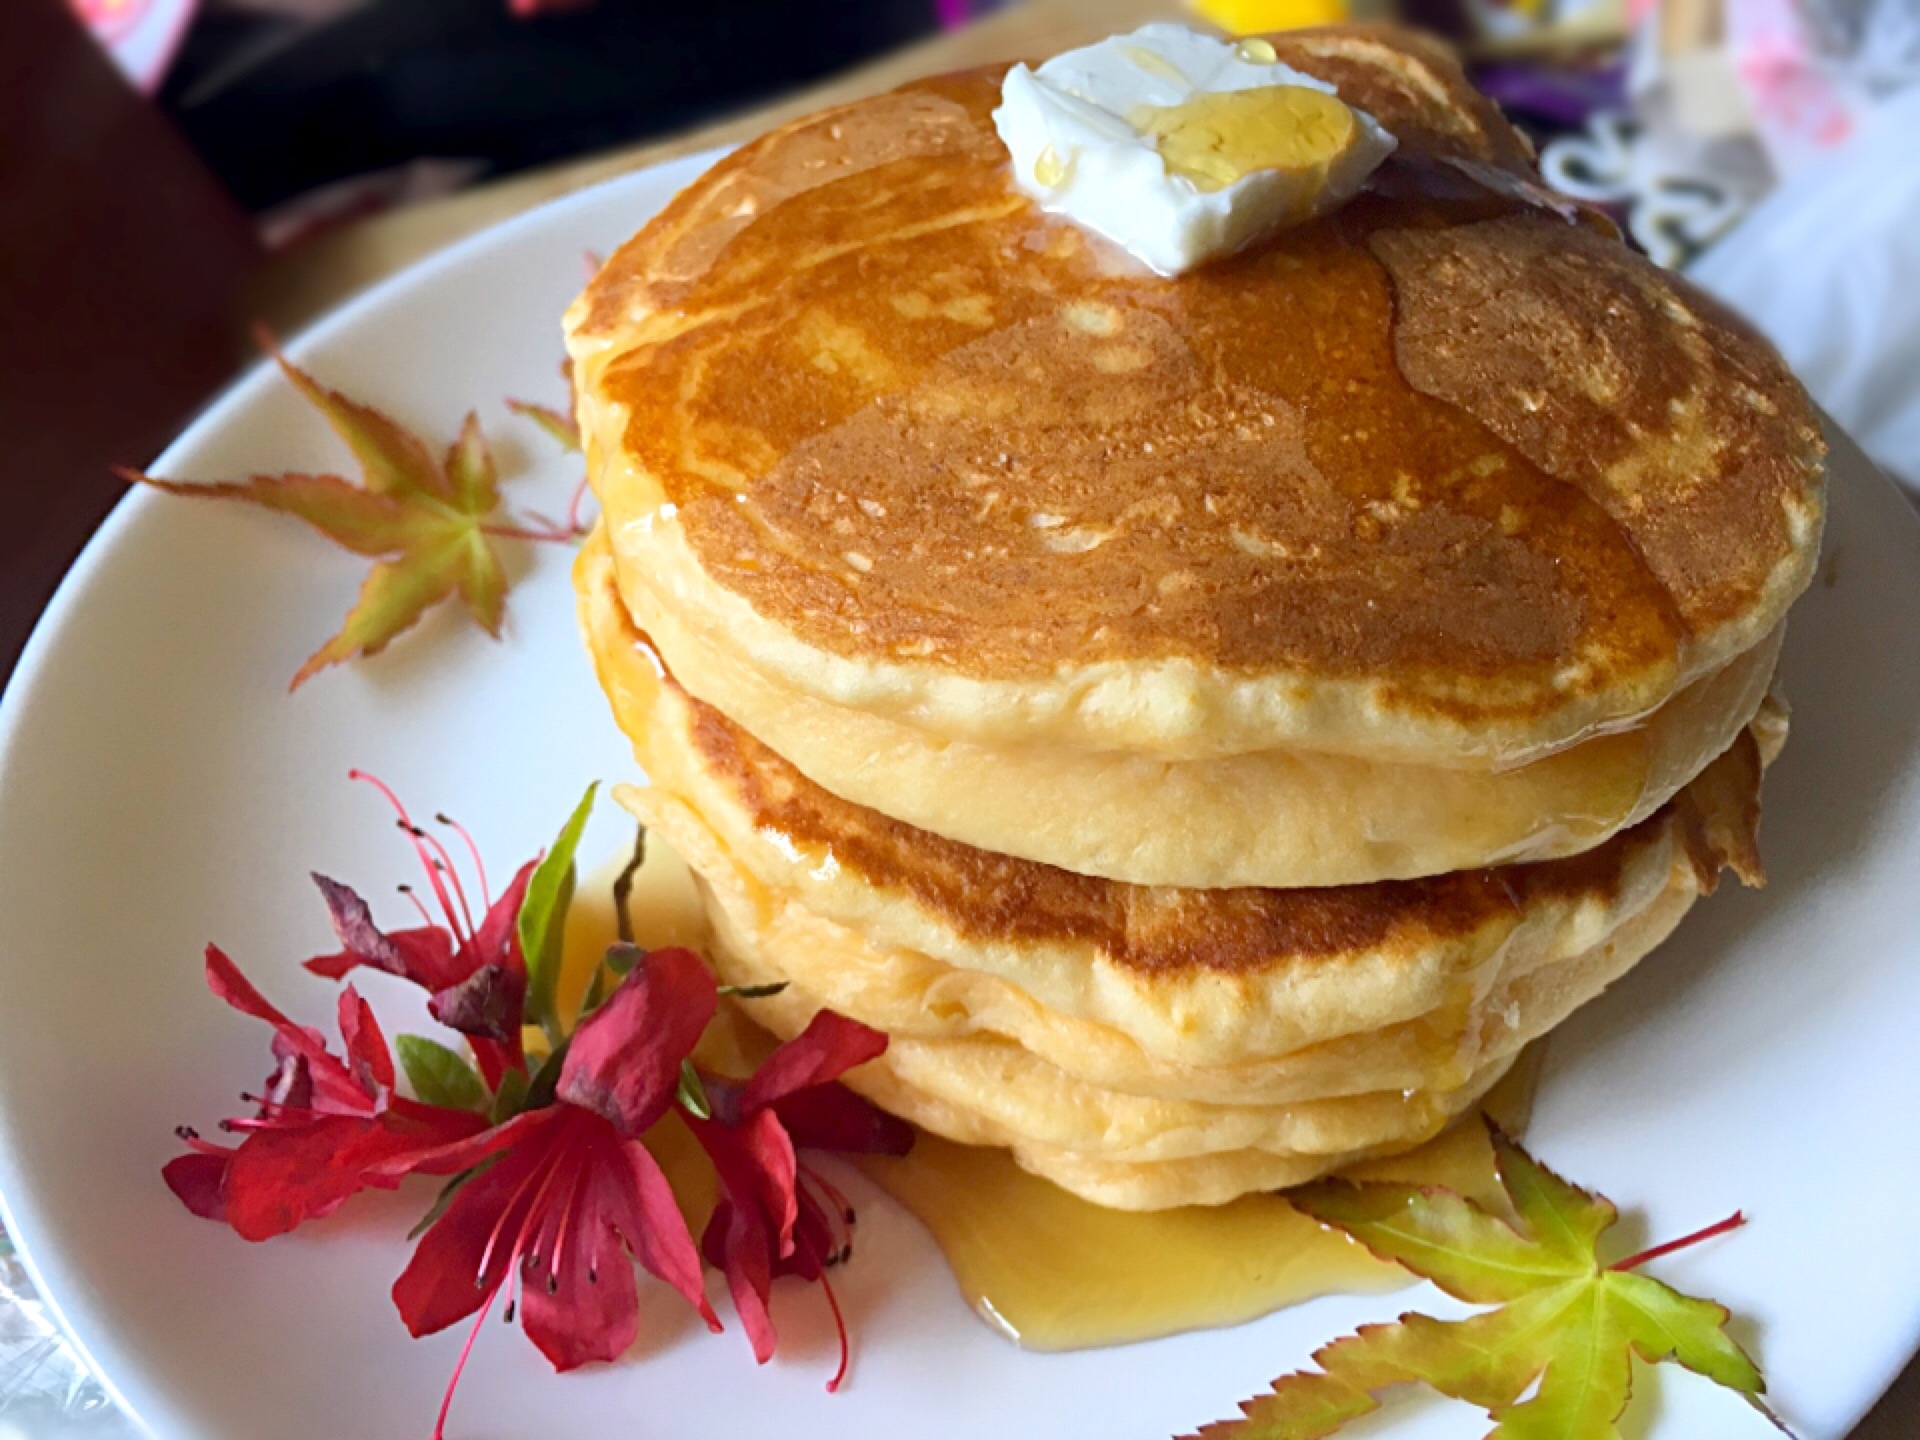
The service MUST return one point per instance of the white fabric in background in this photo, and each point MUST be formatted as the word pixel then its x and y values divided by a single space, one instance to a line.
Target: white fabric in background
pixel 1828 265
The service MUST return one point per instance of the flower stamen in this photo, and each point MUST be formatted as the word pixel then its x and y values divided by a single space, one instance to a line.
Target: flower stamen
pixel 460 1366
pixel 544 1174
pixel 415 834
pixel 412 895
pixel 443 862
pixel 479 865
pixel 839 1324
pixel 581 1164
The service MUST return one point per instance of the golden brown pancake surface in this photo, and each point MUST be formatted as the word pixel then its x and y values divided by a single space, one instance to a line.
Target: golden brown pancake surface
pixel 1153 929
pixel 1453 446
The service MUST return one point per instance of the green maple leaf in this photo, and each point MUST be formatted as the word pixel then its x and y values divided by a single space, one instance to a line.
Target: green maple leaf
pixel 557 424
pixel 1564 1319
pixel 427 520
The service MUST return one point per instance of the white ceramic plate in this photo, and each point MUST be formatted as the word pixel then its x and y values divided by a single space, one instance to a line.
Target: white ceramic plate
pixel 159 787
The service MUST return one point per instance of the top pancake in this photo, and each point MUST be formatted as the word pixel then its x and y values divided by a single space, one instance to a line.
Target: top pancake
pixel 1441 476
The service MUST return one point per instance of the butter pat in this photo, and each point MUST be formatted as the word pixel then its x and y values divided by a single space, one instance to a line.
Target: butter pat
pixel 1179 147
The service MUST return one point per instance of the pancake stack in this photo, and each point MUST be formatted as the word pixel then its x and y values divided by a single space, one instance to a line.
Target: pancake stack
pixel 1211 724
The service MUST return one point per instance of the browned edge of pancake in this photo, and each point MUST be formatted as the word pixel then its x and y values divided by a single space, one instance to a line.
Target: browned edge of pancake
pixel 1147 929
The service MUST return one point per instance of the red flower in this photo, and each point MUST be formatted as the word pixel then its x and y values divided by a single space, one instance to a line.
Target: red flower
pixel 475 972
pixel 324 1124
pixel 777 1216
pixel 569 1187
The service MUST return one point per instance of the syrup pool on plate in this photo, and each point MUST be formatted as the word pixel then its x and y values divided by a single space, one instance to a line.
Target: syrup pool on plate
pixel 1045 1268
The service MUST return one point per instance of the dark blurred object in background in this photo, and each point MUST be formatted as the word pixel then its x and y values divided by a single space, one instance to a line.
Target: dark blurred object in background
pixel 279 104
pixel 121 260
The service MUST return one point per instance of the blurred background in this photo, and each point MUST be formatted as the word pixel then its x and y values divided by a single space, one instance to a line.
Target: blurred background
pixel 171 169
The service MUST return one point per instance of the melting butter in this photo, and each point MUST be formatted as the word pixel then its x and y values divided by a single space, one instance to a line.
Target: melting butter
pixel 1154 63
pixel 1219 137
pixel 1049 169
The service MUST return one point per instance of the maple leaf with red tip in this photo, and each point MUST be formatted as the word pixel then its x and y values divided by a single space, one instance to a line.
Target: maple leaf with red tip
pixel 1551 1360
pixel 777 1216
pixel 568 1190
pixel 428 520
pixel 325 1127
pixel 474 970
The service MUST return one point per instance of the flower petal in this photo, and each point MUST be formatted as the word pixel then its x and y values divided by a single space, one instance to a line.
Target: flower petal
pixel 368 1058
pixel 649 1217
pixel 497 941
pixel 486 1005
pixel 423 954
pixel 578 1301
pixel 830 1046
pixel 594 1312
pixel 225 980
pixel 464 1152
pixel 198 1179
pixel 282 1176
pixel 337 1091
pixel 831 1117
pixel 736 1243
pixel 303 1165
pixel 752 1227
pixel 463 1258
pixel 624 1060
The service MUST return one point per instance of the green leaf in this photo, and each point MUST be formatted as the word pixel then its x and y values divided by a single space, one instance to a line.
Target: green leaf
pixel 1562 1219
pixel 693 1092
pixel 557 425
pixel 428 520
pixel 355 519
pixel 546 1080
pixel 754 992
pixel 543 915
pixel 482 582
pixel 1664 1324
pixel 1563 1334
pixel 511 1098
pixel 395 594
pixel 1440 1235
pixel 439 1076
pixel 394 460
pixel 1586 1381
pixel 470 470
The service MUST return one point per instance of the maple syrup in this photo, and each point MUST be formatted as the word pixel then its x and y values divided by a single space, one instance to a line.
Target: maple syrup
pixel 1048 1270
pixel 1054 1272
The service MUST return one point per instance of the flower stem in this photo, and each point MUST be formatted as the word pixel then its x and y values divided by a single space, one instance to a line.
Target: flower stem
pixel 1634 1262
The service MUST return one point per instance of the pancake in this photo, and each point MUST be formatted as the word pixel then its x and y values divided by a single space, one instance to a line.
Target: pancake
pixel 1511 999
pixel 1276 818
pixel 1126 1152
pixel 1207 978
pixel 1440 479
pixel 801 887
pixel 1210 724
